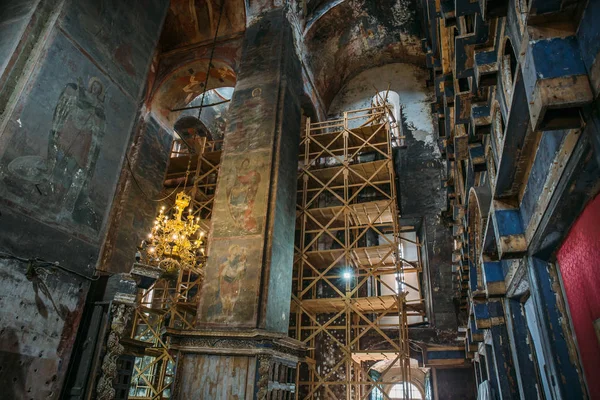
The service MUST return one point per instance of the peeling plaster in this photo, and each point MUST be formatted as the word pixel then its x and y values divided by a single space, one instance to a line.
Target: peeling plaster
pixel 405 79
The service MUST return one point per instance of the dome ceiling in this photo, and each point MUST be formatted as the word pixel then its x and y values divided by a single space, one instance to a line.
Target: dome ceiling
pixel 344 37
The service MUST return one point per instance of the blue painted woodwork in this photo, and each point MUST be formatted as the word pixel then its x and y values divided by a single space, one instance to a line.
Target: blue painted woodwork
pixel 556 351
pixel 546 153
pixel 538 7
pixel 556 57
pixel 504 366
pixel 588 34
pixel 492 271
pixel 508 222
pixel 466 7
pixel 521 351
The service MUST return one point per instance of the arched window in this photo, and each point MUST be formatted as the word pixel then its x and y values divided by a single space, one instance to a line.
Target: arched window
pixel 498 128
pixel 491 166
pixel 508 69
pixel 392 100
pixel 397 391
pixel 479 205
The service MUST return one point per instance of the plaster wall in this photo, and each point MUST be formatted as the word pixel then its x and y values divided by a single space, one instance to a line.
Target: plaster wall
pixel 134 211
pixel 38 318
pixel 408 81
pixel 14 17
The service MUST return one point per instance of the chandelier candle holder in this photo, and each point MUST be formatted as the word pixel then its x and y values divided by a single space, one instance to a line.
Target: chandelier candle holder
pixel 176 242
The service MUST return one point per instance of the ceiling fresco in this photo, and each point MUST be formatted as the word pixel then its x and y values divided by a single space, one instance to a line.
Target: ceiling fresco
pixel 184 85
pixel 191 22
pixel 337 39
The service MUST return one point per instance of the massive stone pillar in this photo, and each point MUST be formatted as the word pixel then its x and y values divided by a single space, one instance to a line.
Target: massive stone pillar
pixel 240 348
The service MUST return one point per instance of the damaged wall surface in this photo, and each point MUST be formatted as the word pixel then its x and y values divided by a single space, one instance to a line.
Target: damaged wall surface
pixel 69 90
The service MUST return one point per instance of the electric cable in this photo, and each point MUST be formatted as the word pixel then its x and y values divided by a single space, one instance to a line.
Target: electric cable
pixel 212 53
pixel 39 262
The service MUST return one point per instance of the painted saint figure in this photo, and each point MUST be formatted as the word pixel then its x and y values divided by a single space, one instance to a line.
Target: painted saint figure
pixel 242 195
pixel 231 274
pixel 74 143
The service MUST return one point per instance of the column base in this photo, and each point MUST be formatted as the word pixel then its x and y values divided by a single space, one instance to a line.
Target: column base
pixel 248 364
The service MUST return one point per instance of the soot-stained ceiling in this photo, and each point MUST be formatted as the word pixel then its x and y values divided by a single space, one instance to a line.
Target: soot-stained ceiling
pixel 340 39
pixel 191 22
pixel 345 37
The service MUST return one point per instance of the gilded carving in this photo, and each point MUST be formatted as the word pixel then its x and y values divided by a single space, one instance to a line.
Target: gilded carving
pixel 264 367
pixel 121 313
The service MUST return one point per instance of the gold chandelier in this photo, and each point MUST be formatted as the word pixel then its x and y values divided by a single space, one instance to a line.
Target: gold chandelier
pixel 175 242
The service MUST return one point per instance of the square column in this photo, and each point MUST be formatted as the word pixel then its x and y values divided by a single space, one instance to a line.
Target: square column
pixel 249 269
pixel 240 347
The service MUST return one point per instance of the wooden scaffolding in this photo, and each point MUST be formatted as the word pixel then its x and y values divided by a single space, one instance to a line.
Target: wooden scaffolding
pixel 172 301
pixel 348 302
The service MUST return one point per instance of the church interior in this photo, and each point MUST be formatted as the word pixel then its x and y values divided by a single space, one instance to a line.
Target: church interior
pixel 299 199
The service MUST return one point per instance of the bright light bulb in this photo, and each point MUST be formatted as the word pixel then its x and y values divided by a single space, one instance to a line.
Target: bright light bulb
pixel 347 275
pixel 201 233
pixel 175 237
pixel 150 236
pixel 151 250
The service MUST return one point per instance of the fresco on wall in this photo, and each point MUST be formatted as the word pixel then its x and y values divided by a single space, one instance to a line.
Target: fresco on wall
pixel 78 126
pixel 119 35
pixel 193 21
pixel 184 85
pixel 250 118
pixel 231 284
pixel 63 145
pixel 243 195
